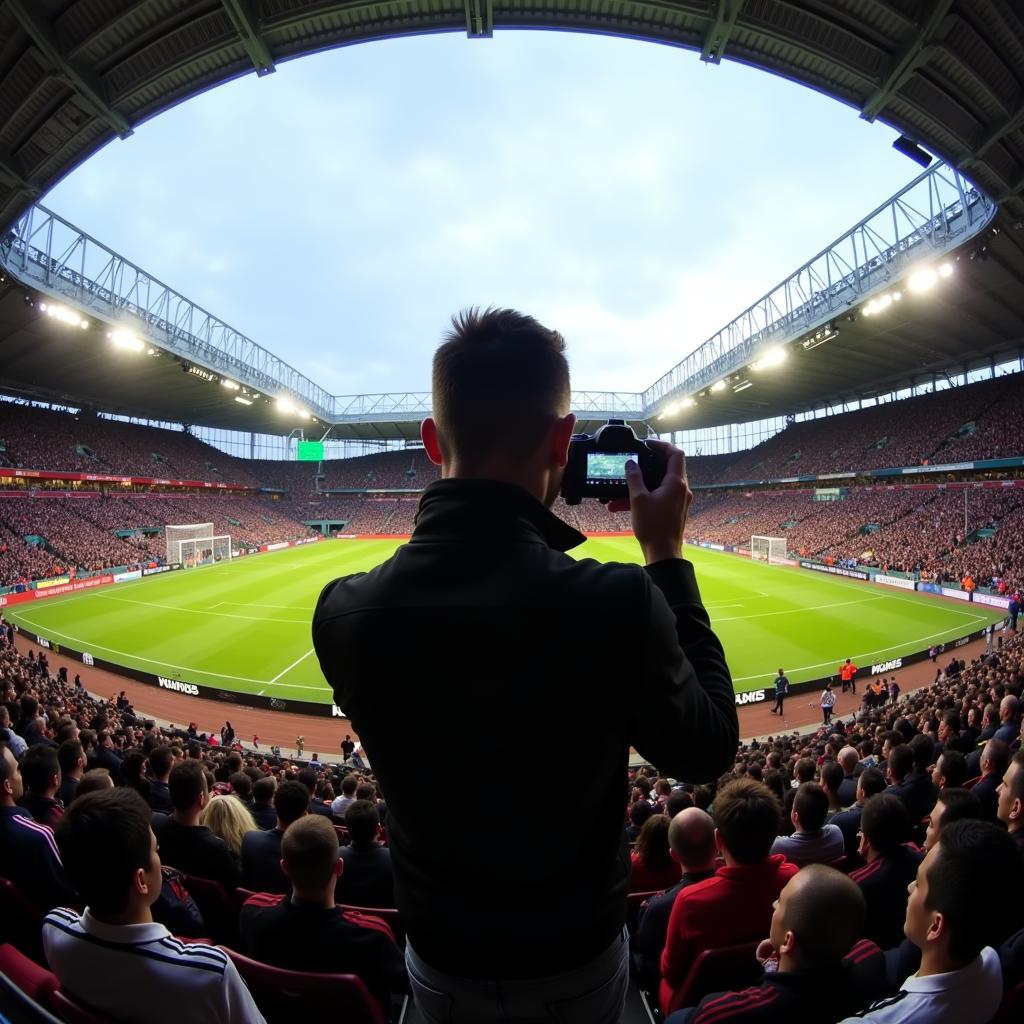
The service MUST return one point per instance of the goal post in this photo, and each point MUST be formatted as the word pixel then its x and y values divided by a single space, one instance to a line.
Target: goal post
pixel 195 544
pixel 769 549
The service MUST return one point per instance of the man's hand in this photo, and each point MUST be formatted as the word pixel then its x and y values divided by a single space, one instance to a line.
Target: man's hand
pixel 659 516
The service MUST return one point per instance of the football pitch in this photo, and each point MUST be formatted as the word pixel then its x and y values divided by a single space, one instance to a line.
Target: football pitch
pixel 244 625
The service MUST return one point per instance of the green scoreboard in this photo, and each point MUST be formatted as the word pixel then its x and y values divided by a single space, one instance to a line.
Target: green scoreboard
pixel 311 451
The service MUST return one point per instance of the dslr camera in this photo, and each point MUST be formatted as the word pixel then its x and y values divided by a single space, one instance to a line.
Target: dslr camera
pixel 597 464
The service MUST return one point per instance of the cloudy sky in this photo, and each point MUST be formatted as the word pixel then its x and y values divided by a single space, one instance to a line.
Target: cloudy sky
pixel 339 211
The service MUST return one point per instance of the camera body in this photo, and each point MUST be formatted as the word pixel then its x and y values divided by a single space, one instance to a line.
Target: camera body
pixel 597 464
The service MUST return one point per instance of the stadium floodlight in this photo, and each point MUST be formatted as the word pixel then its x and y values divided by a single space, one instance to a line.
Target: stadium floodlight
pixel 125 340
pixel 285 405
pixel 719 385
pixel 923 280
pixel 64 315
pixel 945 270
pixel 229 384
pixel 772 358
pixel 742 386
pixel 687 403
pixel 243 401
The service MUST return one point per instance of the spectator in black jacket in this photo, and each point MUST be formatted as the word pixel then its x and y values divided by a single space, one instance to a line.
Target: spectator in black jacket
pixel 368 880
pixel 485 583
pixel 263 812
pixel 995 759
pixel 869 783
pixel 184 843
pixel 71 758
pixel 161 761
pixel 40 771
pixel 953 804
pixel 308 931
pixel 261 851
pixel 691 840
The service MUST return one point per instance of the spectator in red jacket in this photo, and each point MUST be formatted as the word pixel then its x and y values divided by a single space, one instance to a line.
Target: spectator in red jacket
pixel 735 905
pixel 652 867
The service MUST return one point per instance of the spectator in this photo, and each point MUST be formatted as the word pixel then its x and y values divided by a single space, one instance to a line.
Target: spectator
pixel 501 430
pixel 849 761
pixel 955 926
pixel 230 820
pixel 812 840
pixel 736 904
pixel 915 787
pixel 950 736
pixel 869 783
pixel 93 780
pixel 185 843
pixel 263 802
pixel 28 853
pixel 368 880
pixel 652 867
pixel 308 931
pixel 348 794
pixel 309 778
pixel 995 759
pixel 678 800
pixel 40 772
pixel 71 758
pixel 691 838
pixel 1009 719
pixel 1011 799
pixel 640 812
pixel 241 789
pixel 889 868
pixel 815 926
pixel 831 781
pixel 950 770
pixel 952 805
pixel 261 851
pixel 161 761
pixel 112 857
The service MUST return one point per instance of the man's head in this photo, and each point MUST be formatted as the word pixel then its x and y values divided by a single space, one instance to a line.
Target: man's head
pixel 40 770
pixel 362 819
pixel 949 726
pixel 831 779
pixel 848 758
pixel 923 750
pixel 11 786
pixel 263 789
pixel 953 804
pixel 691 839
pixel 884 826
pixel 188 788
pixel 1009 707
pixel 950 769
pixel 110 852
pixel 818 917
pixel 810 807
pixel 947 913
pixel 678 800
pixel 310 856
pixel 901 760
pixel 291 802
pixel 994 758
pixel 71 758
pixel 1011 794
pixel 241 786
pixel 348 785
pixel 871 781
pixel 501 397
pixel 746 815
pixel 94 780
pixel 161 761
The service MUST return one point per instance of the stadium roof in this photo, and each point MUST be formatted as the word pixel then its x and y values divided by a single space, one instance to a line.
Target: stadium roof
pixel 76 73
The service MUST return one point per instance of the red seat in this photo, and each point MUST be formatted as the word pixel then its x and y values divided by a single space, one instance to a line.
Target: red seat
pixel 728 969
pixel 36 982
pixel 21 921
pixel 286 996
pixel 218 909
pixel 343 836
pixel 971 783
pixel 241 895
pixel 72 1011
pixel 389 915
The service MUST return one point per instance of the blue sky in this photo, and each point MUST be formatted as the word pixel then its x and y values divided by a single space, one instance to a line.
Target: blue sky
pixel 339 211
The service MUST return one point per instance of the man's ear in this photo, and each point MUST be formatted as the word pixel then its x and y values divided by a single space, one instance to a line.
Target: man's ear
pixel 428 434
pixel 561 435
pixel 339 868
pixel 787 944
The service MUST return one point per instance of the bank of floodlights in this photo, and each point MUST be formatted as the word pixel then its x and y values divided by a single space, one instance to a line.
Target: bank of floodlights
pixel 772 358
pixel 921 281
pixel 125 340
pixel 63 315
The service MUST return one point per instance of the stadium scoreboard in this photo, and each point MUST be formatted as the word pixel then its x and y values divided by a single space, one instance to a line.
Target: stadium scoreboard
pixel 311 451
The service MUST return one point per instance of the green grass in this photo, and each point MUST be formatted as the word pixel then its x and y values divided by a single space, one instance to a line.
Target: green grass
pixel 245 625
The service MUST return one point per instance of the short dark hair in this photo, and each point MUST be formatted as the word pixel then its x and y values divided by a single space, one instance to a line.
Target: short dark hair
pixel 804 769
pixel 104 838
pixel 969 851
pixel 499 380
pixel 885 823
pixel 38 767
pixel 348 784
pixel 291 801
pixel 362 819
pixel 953 768
pixel 310 850
pixel 241 785
pixel 263 790
pixel 94 780
pixel 871 781
pixel 68 755
pixel 951 718
pixel 959 805
pixel 901 760
pixel 832 775
pixel 995 750
pixel 186 784
pixel 678 800
pixel 639 812
pixel 923 750
pixel 309 779
pixel 366 791
pixel 161 760
pixel 747 815
pixel 811 805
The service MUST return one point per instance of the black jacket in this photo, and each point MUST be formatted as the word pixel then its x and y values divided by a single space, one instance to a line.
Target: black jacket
pixel 482 635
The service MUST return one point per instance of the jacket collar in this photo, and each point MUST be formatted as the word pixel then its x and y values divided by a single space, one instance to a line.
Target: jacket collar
pixel 464 510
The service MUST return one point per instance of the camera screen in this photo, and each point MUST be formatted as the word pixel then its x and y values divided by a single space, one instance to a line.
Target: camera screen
pixel 608 467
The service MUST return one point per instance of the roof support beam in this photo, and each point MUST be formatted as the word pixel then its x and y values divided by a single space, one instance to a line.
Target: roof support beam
pixel 725 14
pixel 905 62
pixel 246 25
pixel 994 134
pixel 82 80
pixel 479 18
pixel 14 177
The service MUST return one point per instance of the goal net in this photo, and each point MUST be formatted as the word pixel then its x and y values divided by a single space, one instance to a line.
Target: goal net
pixel 196 544
pixel 768 549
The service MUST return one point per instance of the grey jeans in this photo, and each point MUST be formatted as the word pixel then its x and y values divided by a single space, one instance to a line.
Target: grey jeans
pixel 592 994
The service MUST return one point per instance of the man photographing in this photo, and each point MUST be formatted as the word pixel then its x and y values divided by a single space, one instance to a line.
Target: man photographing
pixel 482 630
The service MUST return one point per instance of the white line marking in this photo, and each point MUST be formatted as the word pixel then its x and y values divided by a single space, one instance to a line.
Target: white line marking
pixel 298 661
pixel 803 610
pixel 254 604
pixel 197 611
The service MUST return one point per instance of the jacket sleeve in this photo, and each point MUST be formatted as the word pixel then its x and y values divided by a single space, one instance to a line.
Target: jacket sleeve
pixel 322 639
pixel 684 717
pixel 680 950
